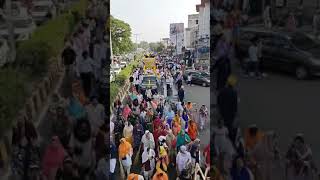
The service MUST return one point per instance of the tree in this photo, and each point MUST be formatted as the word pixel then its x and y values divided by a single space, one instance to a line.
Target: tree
pixel 156 46
pixel 120 36
pixel 144 45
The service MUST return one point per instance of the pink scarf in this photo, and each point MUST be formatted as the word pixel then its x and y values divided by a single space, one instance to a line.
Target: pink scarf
pixel 53 158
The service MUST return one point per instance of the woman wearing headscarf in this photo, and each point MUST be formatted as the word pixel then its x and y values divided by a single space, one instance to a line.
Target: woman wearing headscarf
pixel 193 130
pixel 299 159
pixel 176 125
pixel 263 155
pixel 239 171
pixel 148 162
pixel 183 160
pixel 82 147
pixel 125 153
pixel 148 140
pixel 183 139
pixel 252 136
pixel 53 158
pixel 163 159
pixel 185 118
pixel 138 132
pixel 171 143
pixel 128 132
pixel 126 111
pixel 203 115
pixel 195 151
pixel 160 175
pixel 222 141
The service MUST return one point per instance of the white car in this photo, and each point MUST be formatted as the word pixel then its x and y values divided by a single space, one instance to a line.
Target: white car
pixel 115 68
pixel 123 64
pixel 42 10
pixel 23 28
pixel 4 52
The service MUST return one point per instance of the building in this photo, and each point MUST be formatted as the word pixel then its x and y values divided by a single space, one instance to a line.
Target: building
pixel 191 30
pixel 203 34
pixel 177 37
pixel 165 42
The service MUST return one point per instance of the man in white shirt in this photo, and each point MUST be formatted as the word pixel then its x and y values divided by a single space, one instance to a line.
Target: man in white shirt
pixel 96 115
pixel 254 57
pixel 189 79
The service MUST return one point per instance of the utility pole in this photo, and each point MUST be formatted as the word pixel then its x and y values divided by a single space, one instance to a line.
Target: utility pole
pixel 11 39
pixel 136 35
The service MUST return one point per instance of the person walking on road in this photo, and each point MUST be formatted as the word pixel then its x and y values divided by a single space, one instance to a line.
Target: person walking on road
pixel 227 102
pixel 85 68
pixel 181 94
pixel 68 57
pixel 148 162
pixel 254 53
pixel 203 115
pixel 113 161
pixel 160 175
pixel 316 24
pixel 267 18
pixel 183 160
pixel 189 79
pixel 125 154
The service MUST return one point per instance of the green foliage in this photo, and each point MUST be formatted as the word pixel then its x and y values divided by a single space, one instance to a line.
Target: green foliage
pixel 33 58
pixel 157 47
pixel 114 89
pixel 32 61
pixel 122 77
pixel 12 95
pixel 143 45
pixel 121 37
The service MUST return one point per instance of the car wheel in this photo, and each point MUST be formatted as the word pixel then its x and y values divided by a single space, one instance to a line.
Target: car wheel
pixel 204 84
pixel 301 72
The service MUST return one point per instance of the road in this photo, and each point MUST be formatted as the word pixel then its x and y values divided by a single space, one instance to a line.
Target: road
pixel 196 95
pixel 283 104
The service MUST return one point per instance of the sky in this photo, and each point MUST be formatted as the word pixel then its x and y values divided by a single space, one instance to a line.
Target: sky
pixel 151 18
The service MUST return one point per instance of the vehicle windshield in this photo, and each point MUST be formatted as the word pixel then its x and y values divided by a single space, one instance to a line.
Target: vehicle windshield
pixel 302 41
pixel 152 80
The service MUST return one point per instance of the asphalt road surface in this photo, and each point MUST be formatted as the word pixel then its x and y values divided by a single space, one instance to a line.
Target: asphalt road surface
pixel 283 104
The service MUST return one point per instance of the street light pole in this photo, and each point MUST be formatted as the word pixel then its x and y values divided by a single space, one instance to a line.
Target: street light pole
pixel 11 39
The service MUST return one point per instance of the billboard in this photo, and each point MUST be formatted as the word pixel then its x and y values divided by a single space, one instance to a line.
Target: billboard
pixel 177 36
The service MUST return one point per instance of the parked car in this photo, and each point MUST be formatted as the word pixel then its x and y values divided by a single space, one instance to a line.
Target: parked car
pixel 293 52
pixel 43 10
pixel 115 68
pixel 4 52
pixel 201 73
pixel 23 28
pixel 198 77
pixel 123 64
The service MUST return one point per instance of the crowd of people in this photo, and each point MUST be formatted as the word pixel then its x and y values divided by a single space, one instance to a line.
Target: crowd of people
pixel 153 129
pixel 73 145
pixel 250 153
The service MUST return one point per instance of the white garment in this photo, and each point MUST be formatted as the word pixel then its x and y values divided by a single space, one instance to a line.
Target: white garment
pixel 86 158
pixel 111 127
pixel 128 131
pixel 182 160
pixel 149 143
pixel 189 78
pixel 96 115
pixel 113 163
pixel 222 141
pixel 149 155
